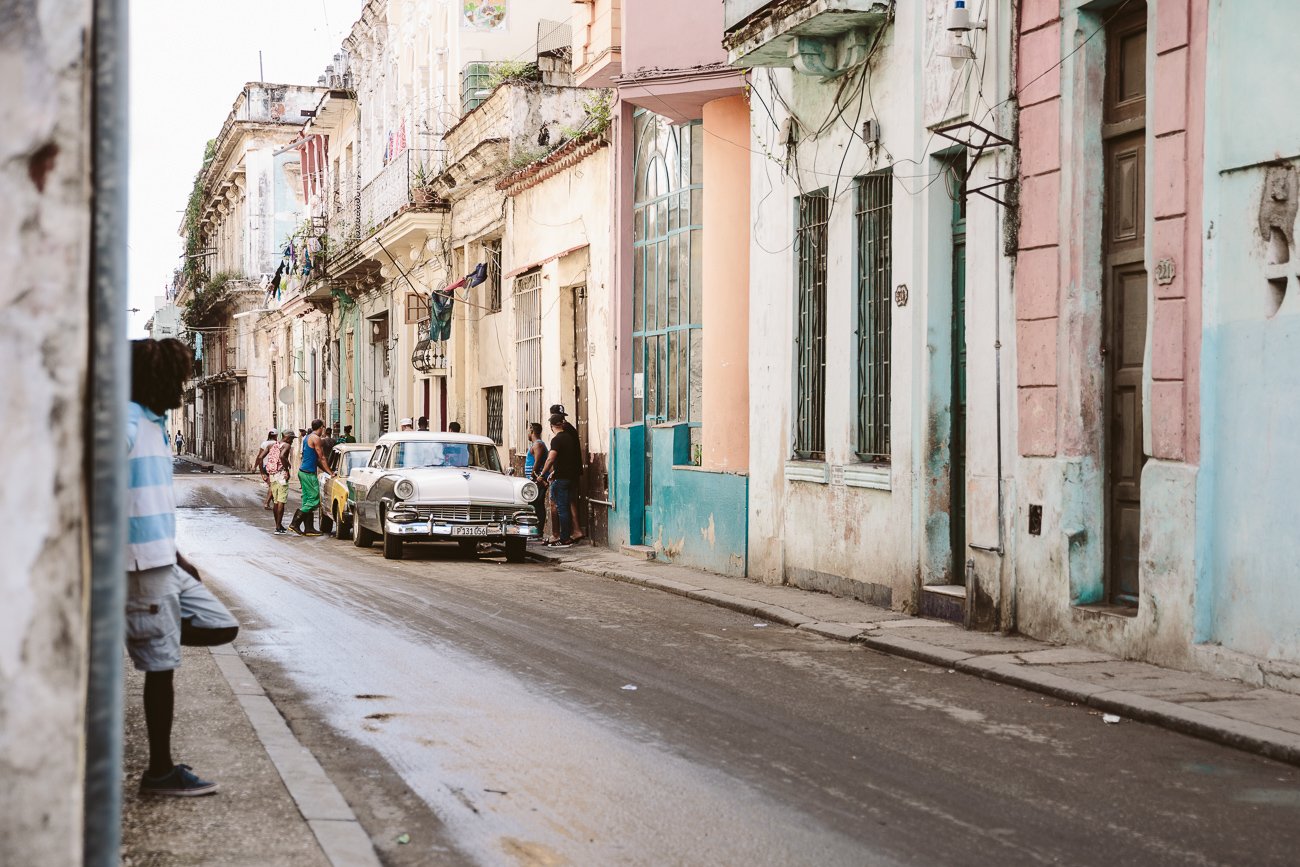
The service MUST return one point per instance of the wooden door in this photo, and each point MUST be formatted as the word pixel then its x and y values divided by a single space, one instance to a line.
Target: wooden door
pixel 957 456
pixel 1124 298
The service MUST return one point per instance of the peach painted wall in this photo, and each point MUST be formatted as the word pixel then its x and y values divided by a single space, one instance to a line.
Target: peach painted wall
pixel 726 285
pixel 1038 270
pixel 597 42
pixel 671 34
pixel 1178 131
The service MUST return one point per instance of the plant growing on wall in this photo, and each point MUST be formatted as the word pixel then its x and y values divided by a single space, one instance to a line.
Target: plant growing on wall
pixel 512 71
pixel 192 267
pixel 208 302
pixel 598 114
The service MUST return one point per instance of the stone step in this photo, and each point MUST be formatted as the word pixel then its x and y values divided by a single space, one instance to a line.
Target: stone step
pixel 637 552
pixel 944 601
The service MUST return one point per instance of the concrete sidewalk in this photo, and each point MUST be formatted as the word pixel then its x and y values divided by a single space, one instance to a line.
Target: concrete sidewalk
pixel 275 805
pixel 1262 721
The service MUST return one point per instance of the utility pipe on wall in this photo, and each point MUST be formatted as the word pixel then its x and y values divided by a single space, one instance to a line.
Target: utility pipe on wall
pixel 105 441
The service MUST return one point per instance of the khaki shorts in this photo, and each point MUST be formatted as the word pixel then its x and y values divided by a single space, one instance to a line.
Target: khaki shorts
pixel 279 488
pixel 157 600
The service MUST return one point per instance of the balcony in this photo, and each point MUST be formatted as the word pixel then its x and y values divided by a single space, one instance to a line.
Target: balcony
pixel 402 185
pixel 816 37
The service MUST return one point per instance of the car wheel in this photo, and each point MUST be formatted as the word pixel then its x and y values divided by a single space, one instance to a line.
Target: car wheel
pixel 342 529
pixel 468 547
pixel 392 547
pixel 361 537
pixel 516 550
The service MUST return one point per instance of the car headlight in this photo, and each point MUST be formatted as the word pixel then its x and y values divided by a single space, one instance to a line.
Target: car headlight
pixel 528 492
pixel 404 489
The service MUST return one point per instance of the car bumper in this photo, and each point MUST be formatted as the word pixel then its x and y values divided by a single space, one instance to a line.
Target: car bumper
pixel 424 531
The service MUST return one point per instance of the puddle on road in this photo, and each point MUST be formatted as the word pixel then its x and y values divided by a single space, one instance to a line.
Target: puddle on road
pixel 460 732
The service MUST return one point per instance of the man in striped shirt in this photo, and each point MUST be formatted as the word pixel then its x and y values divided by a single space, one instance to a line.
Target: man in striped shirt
pixel 166 603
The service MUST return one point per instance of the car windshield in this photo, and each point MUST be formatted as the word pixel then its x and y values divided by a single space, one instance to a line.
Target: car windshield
pixel 356 459
pixel 424 453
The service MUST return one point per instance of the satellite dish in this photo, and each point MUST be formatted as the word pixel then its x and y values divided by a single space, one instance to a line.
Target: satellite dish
pixel 286 395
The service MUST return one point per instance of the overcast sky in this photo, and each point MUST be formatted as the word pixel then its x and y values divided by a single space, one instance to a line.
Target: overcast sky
pixel 189 60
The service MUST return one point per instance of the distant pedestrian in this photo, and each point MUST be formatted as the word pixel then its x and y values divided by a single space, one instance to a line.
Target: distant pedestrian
pixel 454 427
pixel 275 470
pixel 534 460
pixel 271 440
pixel 406 425
pixel 166 603
pixel 564 467
pixel 304 520
pixel 328 442
pixel 347 435
pixel 422 423
pixel 558 409
pixel 180 442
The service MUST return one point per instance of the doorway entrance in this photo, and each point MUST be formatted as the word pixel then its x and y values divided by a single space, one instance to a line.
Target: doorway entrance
pixel 1124 298
pixel 956 181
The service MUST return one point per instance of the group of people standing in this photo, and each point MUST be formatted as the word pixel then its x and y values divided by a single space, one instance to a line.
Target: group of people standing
pixel 557 469
pixel 274 462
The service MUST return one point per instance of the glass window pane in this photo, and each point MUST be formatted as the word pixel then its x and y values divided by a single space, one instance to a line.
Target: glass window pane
pixel 651 286
pixel 697 153
pixel 697 375
pixel 661 257
pixel 697 206
pixel 652 379
pixel 675 287
pixel 696 254
pixel 671 389
pixel 638 288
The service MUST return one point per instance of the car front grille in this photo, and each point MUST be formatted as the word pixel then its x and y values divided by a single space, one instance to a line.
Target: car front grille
pixel 468 514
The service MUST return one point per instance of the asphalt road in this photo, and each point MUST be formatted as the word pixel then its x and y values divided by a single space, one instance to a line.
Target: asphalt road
pixel 490 707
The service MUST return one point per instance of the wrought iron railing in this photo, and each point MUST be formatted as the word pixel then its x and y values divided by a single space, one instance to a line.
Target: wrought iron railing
pixel 404 182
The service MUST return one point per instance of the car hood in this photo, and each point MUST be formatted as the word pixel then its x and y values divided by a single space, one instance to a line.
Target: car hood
pixel 462 485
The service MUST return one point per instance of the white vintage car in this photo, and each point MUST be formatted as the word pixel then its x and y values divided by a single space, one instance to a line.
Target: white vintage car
pixel 439 487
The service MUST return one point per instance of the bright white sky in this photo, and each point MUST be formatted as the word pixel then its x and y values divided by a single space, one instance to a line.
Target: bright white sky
pixel 189 60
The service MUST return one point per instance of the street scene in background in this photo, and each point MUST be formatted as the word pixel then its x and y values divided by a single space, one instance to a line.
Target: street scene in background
pixel 537 432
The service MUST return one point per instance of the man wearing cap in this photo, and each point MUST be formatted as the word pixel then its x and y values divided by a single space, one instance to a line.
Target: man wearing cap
pixel 578 535
pixel 406 424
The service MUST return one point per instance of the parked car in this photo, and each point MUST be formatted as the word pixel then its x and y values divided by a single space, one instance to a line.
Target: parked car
pixel 440 487
pixel 343 459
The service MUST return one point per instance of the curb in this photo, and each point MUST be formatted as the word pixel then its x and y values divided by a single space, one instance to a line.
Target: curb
pixel 330 818
pixel 1249 737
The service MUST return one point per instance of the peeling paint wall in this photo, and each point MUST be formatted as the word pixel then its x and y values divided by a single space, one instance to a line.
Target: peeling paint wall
pixel 1248 610
pixel 44 327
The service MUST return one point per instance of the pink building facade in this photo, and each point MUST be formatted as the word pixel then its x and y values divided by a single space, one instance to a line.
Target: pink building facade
pixel 1108 324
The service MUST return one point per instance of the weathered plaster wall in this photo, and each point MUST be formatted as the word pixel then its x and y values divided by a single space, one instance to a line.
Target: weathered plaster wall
pixel 44 334
pixel 1060 368
pixel 878 532
pixel 1249 556
pixel 698 516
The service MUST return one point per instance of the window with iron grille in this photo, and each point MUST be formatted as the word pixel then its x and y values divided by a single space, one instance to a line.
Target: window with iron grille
pixel 496 412
pixel 873 215
pixel 492 251
pixel 810 327
pixel 528 353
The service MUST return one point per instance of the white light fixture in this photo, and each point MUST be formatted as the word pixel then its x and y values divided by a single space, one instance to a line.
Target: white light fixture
pixel 958 52
pixel 959 18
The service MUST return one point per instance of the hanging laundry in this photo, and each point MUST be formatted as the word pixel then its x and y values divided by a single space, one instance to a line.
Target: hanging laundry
pixel 440 309
pixel 306 262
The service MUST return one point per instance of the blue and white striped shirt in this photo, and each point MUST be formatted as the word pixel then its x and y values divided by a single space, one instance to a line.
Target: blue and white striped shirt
pixel 151 536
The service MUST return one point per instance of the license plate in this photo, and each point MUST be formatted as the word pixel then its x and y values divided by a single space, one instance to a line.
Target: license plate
pixel 475 530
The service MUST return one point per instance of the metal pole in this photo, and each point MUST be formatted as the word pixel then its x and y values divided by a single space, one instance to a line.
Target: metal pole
pixel 105 440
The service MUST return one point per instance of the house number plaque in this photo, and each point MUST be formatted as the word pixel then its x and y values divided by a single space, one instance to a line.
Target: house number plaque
pixel 1165 272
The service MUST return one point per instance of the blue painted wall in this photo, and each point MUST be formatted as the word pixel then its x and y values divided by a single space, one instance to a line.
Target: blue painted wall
pixel 698 518
pixel 1248 587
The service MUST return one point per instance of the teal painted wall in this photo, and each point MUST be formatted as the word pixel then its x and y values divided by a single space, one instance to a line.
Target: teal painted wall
pixel 1249 550
pixel 698 518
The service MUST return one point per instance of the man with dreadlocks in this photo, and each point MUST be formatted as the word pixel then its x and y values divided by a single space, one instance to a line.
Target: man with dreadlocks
pixel 166 603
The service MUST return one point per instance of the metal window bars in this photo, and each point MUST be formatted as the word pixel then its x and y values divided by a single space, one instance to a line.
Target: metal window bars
pixel 492 249
pixel 873 217
pixel 528 353
pixel 495 414
pixel 810 326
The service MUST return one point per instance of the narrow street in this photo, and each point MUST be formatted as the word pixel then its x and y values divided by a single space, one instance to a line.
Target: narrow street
pixel 498 700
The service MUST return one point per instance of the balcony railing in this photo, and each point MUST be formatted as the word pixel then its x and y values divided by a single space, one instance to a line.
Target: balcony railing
pixel 399 185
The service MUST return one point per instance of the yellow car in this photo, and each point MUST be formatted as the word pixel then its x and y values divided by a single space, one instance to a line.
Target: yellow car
pixel 345 458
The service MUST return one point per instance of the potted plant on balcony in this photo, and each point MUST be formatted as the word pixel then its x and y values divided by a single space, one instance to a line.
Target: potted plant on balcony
pixel 422 194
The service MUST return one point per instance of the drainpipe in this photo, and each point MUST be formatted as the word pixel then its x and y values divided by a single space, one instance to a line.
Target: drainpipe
pixel 106 405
